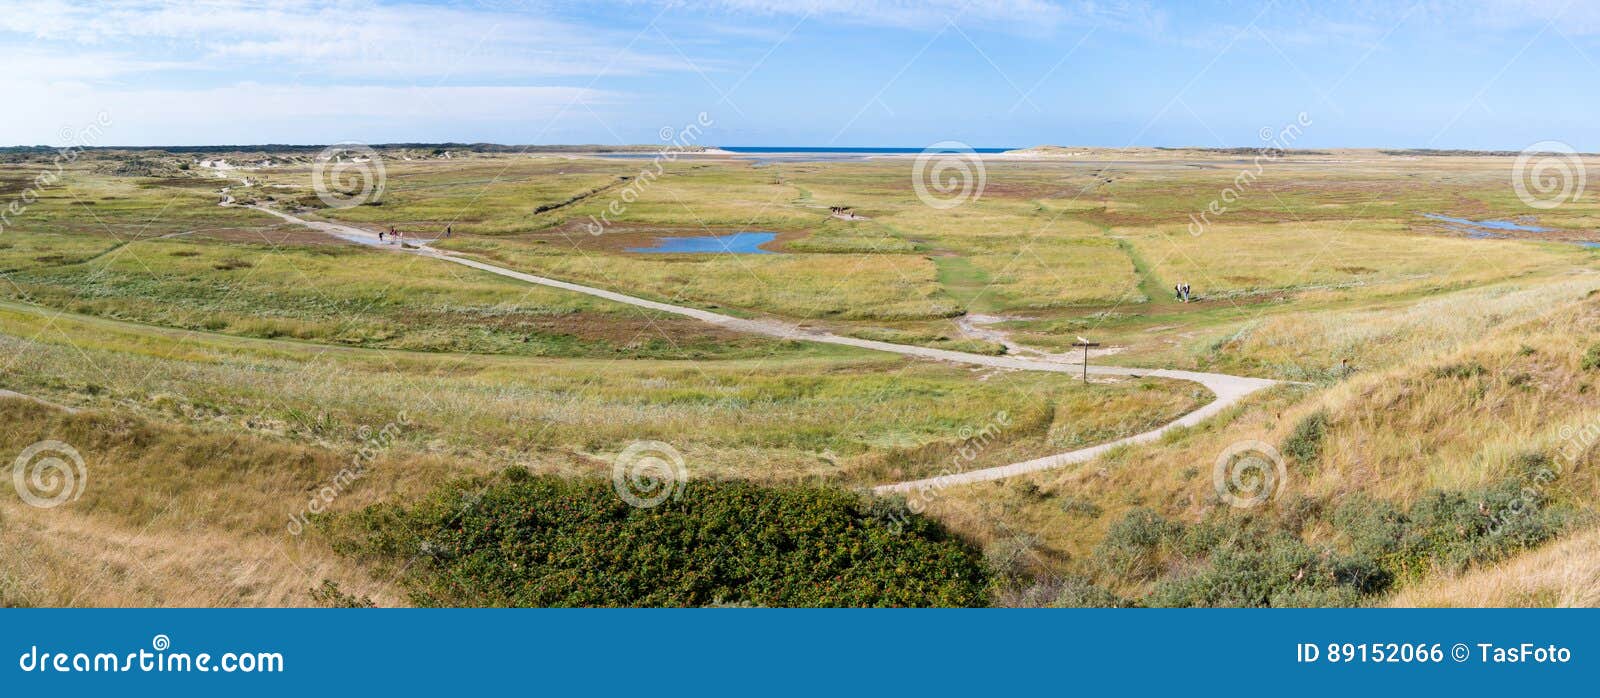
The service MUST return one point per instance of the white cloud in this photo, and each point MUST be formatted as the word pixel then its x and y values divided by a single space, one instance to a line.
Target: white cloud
pixel 186 71
pixel 342 38
pixel 1025 16
pixel 251 113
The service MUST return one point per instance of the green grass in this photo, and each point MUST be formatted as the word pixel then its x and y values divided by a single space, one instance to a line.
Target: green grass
pixel 127 291
pixel 842 416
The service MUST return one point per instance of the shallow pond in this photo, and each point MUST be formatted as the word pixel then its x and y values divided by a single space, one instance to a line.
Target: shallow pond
pixel 737 243
pixel 1491 225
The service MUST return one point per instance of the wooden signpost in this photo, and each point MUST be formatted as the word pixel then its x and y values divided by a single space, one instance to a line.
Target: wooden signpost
pixel 1085 344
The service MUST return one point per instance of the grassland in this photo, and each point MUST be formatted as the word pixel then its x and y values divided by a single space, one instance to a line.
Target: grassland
pixel 225 363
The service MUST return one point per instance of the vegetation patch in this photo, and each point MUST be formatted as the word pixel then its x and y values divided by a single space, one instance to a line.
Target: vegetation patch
pixel 525 540
pixel 1267 559
pixel 1591 358
pixel 1304 444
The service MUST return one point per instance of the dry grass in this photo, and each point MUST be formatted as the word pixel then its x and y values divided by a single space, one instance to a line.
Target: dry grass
pixel 1565 574
pixel 1454 416
pixel 1467 354
pixel 172 516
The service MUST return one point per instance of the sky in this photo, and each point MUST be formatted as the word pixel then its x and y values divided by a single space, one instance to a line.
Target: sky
pixel 1488 74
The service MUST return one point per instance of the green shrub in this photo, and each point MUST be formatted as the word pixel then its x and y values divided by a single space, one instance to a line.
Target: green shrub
pixel 1252 570
pixel 1591 358
pixel 1078 505
pixel 1452 530
pixel 1465 369
pixel 540 540
pixel 1304 444
pixel 1258 558
pixel 1132 546
pixel 331 596
pixel 1072 591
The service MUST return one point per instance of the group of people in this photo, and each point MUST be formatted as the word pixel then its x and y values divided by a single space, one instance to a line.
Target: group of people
pixel 395 237
pixel 1183 292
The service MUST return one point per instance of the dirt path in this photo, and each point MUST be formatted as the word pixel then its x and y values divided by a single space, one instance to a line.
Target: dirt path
pixel 1227 389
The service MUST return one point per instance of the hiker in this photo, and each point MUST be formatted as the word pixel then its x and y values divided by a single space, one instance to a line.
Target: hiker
pixel 447 230
pixel 1186 292
pixel 1177 291
pixel 380 236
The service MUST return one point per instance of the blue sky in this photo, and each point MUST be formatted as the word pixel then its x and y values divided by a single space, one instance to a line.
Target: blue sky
pixel 1438 73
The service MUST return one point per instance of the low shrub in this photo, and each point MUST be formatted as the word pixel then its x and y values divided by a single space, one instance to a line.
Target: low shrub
pixel 1259 558
pixel 1591 358
pixel 540 540
pixel 1071 591
pixel 1465 369
pixel 1133 545
pixel 1304 443
pixel 1452 530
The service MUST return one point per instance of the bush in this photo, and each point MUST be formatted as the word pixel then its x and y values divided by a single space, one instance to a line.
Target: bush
pixel 331 596
pixel 1279 569
pixel 540 540
pixel 1453 530
pixel 1132 546
pixel 1591 358
pixel 1304 444
pixel 1072 591
pixel 1078 505
pixel 1466 369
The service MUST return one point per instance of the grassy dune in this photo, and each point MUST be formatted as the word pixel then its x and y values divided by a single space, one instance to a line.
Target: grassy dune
pixel 1459 406
pixel 850 418
pixel 228 364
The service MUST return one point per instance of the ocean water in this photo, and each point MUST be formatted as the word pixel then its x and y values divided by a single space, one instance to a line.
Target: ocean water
pixel 860 151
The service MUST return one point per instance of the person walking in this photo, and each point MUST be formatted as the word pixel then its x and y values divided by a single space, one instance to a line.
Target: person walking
pixel 447 230
pixel 380 236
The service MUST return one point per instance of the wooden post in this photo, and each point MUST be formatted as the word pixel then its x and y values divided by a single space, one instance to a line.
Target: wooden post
pixel 1085 344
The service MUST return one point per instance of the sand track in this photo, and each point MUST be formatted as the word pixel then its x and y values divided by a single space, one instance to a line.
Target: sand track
pixel 1227 389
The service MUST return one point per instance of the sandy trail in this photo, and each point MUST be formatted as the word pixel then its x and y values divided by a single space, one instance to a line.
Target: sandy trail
pixel 1227 389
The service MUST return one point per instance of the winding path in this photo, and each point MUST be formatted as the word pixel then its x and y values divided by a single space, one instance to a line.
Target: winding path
pixel 1228 389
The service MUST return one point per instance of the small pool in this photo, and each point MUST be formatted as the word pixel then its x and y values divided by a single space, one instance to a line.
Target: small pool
pixel 737 243
pixel 1491 225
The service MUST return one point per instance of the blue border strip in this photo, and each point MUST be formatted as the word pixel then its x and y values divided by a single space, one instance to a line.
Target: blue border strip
pixel 797 652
